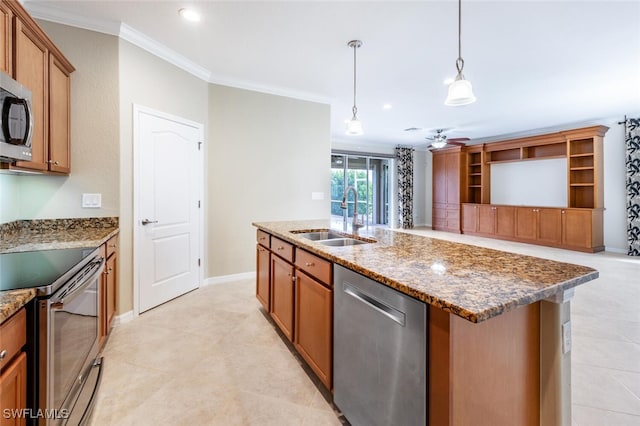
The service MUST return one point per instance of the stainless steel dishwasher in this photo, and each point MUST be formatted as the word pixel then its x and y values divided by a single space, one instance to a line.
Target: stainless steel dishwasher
pixel 380 353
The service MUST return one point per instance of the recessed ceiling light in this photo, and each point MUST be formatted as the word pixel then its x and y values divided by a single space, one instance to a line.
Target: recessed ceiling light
pixel 387 106
pixel 189 14
pixel 448 81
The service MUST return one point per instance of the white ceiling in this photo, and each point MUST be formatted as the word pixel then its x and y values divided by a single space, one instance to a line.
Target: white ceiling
pixel 533 64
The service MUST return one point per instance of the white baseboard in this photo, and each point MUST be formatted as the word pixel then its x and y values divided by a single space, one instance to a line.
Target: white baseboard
pixel 229 278
pixel 123 318
pixel 615 250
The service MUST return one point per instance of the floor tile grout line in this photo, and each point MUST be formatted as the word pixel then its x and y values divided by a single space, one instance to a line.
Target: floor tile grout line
pixel 608 410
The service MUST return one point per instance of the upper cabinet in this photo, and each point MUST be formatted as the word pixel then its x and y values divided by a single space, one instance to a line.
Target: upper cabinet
pixel 6 36
pixel 39 65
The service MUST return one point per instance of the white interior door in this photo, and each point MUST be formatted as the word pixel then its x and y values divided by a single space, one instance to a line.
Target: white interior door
pixel 168 219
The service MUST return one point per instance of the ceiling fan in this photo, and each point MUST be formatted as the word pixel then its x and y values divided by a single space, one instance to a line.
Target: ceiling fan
pixel 440 140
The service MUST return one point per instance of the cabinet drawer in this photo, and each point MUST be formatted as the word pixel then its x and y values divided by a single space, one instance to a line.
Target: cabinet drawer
pixel 112 245
pixel 263 239
pixel 282 248
pixel 314 266
pixel 13 336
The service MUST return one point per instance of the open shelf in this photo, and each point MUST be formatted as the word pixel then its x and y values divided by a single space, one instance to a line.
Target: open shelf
pixel 581 155
pixel 581 184
pixel 556 150
pixel 581 168
pixel 581 146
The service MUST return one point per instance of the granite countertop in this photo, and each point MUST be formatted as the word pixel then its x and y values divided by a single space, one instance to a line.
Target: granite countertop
pixel 471 282
pixel 48 234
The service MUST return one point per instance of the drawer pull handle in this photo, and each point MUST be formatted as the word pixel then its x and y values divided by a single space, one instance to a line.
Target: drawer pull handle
pixel 3 354
pixel 309 264
pixel 280 248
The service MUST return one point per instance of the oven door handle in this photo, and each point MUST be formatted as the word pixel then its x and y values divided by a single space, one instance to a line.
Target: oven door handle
pixel 58 303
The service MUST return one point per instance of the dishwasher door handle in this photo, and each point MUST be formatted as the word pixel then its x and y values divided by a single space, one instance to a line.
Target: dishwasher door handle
pixel 374 303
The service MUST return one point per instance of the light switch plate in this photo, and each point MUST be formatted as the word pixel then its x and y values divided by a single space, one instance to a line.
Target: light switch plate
pixel 91 201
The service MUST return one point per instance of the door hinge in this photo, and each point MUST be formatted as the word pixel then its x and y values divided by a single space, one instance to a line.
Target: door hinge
pixel 198 203
pixel 199 145
pixel 198 261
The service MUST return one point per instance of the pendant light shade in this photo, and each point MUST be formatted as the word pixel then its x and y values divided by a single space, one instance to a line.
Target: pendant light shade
pixel 460 91
pixel 354 126
pixel 439 144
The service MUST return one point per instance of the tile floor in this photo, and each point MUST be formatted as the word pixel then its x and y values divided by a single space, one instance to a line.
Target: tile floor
pixel 212 358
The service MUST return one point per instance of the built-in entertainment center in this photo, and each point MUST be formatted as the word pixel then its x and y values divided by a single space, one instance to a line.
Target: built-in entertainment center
pixel 545 189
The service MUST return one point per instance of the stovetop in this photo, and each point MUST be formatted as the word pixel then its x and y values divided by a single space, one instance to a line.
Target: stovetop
pixel 36 269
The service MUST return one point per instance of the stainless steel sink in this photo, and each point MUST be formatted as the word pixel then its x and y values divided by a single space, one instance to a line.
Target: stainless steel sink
pixel 338 242
pixel 321 235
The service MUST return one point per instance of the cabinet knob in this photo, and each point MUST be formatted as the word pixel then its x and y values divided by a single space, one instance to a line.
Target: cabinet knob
pixel 113 245
pixel 109 269
pixel 562 211
pixel 55 163
pixel 3 354
pixel 280 248
pixel 309 264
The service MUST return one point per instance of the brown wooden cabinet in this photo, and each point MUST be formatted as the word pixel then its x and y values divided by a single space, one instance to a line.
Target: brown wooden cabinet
pixel 469 218
pixel 447 166
pixel 295 287
pixel 34 61
pixel 13 366
pixel 488 220
pixel 6 39
pixel 282 295
pixel 314 323
pixel 539 224
pixel 59 116
pixel 581 230
pixel 108 288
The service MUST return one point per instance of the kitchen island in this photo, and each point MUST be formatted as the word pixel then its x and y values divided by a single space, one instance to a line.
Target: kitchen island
pixel 495 320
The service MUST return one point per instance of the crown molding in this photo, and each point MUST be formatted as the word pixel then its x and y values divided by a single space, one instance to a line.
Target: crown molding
pixel 42 11
pixel 145 42
pixel 45 12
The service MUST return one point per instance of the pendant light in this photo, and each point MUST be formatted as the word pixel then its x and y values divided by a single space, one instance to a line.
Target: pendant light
pixel 354 126
pixel 460 91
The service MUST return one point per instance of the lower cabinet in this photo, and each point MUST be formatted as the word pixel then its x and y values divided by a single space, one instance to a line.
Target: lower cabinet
pixel 13 367
pixel 542 225
pixel 282 291
pixel 570 228
pixel 314 324
pixel 108 288
pixel 263 263
pixel 295 287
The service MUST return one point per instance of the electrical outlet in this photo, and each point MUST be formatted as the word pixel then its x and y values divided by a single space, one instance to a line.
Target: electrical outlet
pixel 566 337
pixel 91 201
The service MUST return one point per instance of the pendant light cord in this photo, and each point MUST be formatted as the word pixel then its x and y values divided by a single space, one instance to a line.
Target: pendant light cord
pixel 459 61
pixel 354 109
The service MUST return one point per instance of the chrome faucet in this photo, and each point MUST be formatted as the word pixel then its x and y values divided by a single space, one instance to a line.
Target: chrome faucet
pixel 343 205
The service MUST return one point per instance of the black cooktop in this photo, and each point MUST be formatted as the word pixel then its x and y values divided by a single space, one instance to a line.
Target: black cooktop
pixel 38 268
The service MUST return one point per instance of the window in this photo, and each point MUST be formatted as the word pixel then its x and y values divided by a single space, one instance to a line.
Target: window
pixel 370 177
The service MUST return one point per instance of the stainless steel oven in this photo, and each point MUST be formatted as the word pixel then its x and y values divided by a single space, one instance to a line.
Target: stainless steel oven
pixel 69 372
pixel 63 372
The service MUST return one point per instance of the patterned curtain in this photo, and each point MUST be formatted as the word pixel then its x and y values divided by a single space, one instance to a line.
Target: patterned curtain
pixel 632 140
pixel 404 160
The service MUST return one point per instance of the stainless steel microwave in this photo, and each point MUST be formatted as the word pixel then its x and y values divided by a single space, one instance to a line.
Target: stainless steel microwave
pixel 16 127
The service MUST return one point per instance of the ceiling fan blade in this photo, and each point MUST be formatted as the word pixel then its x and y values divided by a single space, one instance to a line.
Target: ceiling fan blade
pixel 458 140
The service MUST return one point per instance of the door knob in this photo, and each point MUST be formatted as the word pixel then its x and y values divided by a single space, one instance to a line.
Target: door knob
pixel 147 221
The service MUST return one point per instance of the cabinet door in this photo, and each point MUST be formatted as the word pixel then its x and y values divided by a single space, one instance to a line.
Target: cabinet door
pixel 6 41
pixel 262 276
pixel 111 290
pixel 31 69
pixel 314 323
pixel 282 295
pixel 59 117
pixel 453 177
pixel 486 219
pixel 13 389
pixel 576 228
pixel 549 225
pixel 469 218
pixel 505 221
pixel 526 223
pixel 439 179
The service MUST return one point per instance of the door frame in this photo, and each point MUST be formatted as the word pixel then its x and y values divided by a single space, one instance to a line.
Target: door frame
pixel 136 226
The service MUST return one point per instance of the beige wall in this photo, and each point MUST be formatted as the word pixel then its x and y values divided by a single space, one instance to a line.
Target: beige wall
pixel 147 80
pixel 95 148
pixel 266 155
